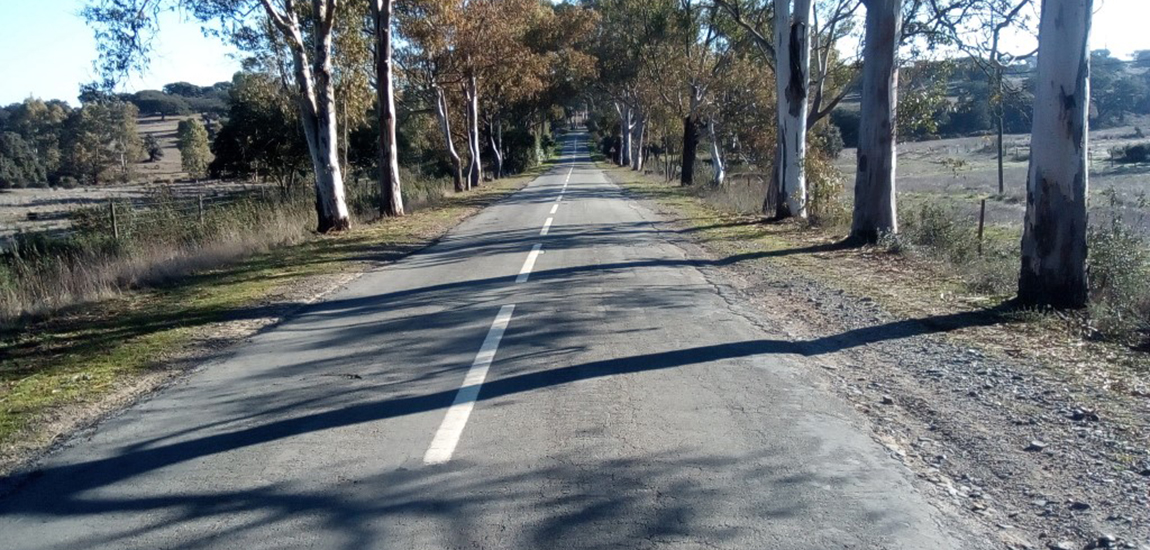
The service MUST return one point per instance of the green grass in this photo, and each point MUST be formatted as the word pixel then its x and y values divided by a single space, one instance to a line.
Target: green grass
pixel 82 354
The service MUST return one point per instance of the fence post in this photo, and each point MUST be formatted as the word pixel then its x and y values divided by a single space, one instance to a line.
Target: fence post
pixel 112 214
pixel 981 223
pixel 201 209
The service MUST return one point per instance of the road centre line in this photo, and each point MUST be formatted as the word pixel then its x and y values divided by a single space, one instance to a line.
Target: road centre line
pixel 447 437
pixel 529 264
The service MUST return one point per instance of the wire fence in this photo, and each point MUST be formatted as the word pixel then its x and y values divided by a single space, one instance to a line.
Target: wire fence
pixel 138 212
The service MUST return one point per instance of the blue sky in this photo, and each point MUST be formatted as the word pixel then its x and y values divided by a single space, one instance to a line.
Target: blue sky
pixel 46 50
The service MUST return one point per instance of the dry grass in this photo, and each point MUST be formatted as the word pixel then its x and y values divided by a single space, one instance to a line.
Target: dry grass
pixel 922 285
pixel 143 305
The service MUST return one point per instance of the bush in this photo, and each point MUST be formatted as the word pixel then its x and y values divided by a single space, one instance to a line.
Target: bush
pixel 847 122
pixel 519 151
pixel 1119 276
pixel 825 185
pixel 1130 154
pixel 942 232
pixel 829 139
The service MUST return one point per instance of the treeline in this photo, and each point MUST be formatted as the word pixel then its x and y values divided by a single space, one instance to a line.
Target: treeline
pixel 956 98
pixel 322 96
pixel 181 98
pixel 51 143
pixel 751 85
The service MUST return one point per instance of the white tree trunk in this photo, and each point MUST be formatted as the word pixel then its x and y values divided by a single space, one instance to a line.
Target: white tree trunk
pixel 1054 235
pixel 390 195
pixel 628 133
pixel 720 172
pixel 875 210
pixel 792 77
pixel 441 113
pixel 475 167
pixel 316 99
pixel 494 128
pixel 637 154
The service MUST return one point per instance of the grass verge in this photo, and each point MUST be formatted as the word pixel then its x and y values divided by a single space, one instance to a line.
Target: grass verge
pixel 62 371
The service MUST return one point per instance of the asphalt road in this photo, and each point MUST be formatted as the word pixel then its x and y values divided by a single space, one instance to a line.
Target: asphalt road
pixel 598 392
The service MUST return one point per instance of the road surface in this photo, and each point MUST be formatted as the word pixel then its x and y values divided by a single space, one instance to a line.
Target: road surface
pixel 553 374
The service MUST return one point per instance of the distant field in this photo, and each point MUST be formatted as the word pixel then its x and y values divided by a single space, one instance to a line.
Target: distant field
pixel 50 206
pixel 961 171
pixel 165 131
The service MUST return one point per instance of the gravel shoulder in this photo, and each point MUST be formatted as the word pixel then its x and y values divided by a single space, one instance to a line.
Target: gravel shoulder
pixel 1040 438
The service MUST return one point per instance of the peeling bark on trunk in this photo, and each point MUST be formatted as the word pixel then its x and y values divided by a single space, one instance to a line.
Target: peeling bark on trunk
pixel 792 76
pixel 316 99
pixel 1054 234
pixel 475 166
pixel 690 148
pixel 720 171
pixel 441 113
pixel 875 210
pixel 390 195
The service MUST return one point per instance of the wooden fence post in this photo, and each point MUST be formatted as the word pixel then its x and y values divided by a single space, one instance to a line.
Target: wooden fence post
pixel 981 223
pixel 112 214
pixel 201 208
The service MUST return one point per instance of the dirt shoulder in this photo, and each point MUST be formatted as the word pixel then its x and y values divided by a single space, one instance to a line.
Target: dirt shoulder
pixel 1006 418
pixel 61 374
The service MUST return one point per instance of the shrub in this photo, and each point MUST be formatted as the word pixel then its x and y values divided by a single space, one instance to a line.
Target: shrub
pixel 829 139
pixel 942 232
pixel 1130 154
pixel 847 122
pixel 825 185
pixel 1119 276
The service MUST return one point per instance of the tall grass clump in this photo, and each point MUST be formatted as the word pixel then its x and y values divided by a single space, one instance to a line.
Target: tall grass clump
pixel 162 239
pixel 1119 276
pixel 418 189
pixel 944 234
pixel 741 193
pixel 825 187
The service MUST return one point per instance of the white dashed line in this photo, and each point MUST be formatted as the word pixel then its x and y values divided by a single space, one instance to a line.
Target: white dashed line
pixel 529 264
pixel 546 226
pixel 447 437
pixel 554 207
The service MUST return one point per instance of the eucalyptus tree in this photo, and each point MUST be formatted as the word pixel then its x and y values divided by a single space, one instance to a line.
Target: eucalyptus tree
pixel 787 50
pixel 431 58
pixel 390 196
pixel 630 31
pixel 693 56
pixel 1054 232
pixel 875 208
pixel 125 28
pixel 490 41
